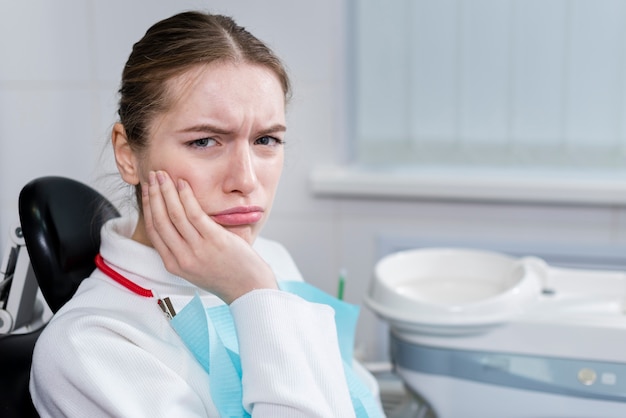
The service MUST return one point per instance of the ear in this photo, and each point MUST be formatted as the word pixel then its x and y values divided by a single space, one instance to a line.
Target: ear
pixel 125 157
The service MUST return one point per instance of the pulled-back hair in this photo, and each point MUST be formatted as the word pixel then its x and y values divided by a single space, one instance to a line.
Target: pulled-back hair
pixel 174 45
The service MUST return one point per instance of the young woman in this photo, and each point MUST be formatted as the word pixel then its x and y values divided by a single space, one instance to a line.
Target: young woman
pixel 200 136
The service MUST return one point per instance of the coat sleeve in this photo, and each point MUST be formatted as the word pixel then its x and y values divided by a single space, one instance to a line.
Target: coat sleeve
pixel 290 357
pixel 90 366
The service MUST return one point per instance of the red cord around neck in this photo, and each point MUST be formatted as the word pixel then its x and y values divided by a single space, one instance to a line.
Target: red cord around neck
pixel 133 287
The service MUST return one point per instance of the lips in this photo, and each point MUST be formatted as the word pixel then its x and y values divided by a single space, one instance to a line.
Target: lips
pixel 240 215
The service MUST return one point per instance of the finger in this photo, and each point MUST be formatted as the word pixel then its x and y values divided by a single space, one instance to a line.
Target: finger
pixel 175 210
pixel 174 250
pixel 151 232
pixel 202 223
pixel 160 219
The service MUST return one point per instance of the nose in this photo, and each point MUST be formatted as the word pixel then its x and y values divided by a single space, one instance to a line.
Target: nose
pixel 240 172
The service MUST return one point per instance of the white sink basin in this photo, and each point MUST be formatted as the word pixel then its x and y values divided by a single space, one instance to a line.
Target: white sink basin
pixel 448 290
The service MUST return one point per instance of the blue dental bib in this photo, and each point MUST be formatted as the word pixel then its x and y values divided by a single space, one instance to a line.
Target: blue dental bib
pixel 210 335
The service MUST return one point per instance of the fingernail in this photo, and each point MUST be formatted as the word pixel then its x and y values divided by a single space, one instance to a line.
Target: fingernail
pixel 181 184
pixel 151 178
pixel 160 177
pixel 144 189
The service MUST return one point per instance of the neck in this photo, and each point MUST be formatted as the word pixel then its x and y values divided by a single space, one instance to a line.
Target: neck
pixel 139 234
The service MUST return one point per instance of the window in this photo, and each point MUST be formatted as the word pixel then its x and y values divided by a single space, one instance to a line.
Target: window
pixel 495 83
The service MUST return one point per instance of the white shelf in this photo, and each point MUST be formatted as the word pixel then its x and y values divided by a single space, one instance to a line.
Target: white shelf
pixel 531 186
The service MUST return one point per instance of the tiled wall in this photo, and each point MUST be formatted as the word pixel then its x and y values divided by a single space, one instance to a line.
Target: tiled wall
pixel 59 69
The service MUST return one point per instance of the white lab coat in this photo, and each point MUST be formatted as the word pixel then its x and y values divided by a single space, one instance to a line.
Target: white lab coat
pixel 112 353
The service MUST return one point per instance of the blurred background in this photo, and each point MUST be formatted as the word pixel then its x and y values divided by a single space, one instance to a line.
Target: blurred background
pixel 491 124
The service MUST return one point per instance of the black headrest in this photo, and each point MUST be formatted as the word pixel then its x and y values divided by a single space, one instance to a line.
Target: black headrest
pixel 61 220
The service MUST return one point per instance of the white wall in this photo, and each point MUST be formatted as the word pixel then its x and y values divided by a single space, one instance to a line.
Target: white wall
pixel 59 70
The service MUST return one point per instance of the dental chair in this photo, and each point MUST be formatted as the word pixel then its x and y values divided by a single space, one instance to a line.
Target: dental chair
pixel 60 220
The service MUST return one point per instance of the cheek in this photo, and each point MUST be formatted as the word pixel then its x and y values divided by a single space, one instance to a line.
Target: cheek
pixel 269 180
pixel 150 161
pixel 169 162
pixel 273 174
pixel 206 197
pixel 203 185
pixel 278 174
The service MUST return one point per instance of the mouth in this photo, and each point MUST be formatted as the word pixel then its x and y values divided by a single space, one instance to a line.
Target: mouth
pixel 240 215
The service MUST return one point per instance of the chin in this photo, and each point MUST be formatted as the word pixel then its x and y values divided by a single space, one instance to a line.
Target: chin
pixel 246 232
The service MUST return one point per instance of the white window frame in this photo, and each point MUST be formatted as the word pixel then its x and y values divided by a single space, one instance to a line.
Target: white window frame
pixel 543 121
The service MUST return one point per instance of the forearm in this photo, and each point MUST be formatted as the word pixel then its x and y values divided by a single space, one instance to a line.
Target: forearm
pixel 290 357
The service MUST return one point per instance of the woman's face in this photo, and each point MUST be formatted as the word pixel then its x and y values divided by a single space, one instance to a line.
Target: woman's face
pixel 223 134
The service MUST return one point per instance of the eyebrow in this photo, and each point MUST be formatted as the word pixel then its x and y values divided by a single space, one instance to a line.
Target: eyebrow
pixel 215 129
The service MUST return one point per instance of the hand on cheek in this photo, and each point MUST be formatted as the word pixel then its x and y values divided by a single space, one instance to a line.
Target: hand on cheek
pixel 195 247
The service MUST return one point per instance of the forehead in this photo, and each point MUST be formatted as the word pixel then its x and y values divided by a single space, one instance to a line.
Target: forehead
pixel 225 83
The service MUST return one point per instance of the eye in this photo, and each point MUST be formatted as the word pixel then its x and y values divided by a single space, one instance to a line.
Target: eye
pixel 269 140
pixel 202 143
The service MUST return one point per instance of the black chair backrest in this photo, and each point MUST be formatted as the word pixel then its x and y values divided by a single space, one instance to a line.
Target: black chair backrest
pixel 16 355
pixel 61 220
